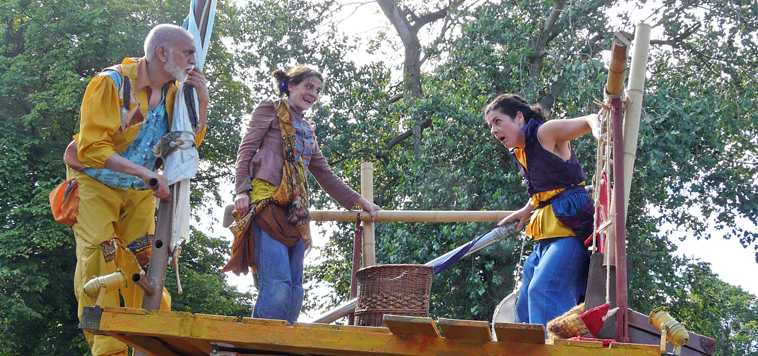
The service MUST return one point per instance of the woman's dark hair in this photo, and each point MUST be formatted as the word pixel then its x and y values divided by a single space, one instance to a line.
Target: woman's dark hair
pixel 295 76
pixel 511 104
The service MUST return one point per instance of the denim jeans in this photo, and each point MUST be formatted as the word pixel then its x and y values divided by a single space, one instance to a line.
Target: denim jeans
pixel 555 278
pixel 280 277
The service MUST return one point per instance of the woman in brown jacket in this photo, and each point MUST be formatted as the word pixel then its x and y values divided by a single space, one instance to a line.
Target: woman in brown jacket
pixel 271 191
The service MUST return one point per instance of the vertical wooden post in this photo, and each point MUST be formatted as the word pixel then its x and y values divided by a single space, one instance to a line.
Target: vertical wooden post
pixel 357 246
pixel 622 334
pixel 367 191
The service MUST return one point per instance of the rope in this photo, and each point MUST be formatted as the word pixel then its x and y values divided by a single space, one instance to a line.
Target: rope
pixel 179 142
pixel 602 178
pixel 520 265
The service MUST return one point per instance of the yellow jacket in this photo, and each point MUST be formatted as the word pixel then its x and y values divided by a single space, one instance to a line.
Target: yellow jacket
pixel 101 132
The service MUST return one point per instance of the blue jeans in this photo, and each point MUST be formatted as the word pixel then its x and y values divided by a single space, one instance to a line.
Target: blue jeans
pixel 280 277
pixel 555 278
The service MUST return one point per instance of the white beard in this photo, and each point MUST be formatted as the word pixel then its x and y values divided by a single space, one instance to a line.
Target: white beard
pixel 179 73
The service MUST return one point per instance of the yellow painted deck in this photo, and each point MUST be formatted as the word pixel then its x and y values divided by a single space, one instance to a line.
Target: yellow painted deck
pixel 161 333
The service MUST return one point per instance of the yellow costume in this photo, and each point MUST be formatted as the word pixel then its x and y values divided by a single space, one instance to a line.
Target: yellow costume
pixel 115 226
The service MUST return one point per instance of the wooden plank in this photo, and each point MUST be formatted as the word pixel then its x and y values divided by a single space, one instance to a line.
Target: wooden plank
pixel 465 329
pixel 217 317
pixel 346 328
pixel 265 322
pixel 411 325
pixel 595 348
pixel 625 346
pixel 91 319
pixel 149 345
pixel 579 343
pixel 135 311
pixel 258 337
pixel 521 333
pixel 188 347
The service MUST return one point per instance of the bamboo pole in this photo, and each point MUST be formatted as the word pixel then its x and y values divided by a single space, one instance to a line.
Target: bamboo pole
pixel 615 82
pixel 412 215
pixel 613 89
pixel 367 191
pixel 634 92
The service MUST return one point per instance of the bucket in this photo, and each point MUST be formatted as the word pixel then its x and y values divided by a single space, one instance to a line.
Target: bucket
pixel 392 289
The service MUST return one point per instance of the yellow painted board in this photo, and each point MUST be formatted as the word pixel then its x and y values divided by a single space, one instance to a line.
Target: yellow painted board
pixel 521 333
pixel 264 322
pixel 138 311
pixel 586 344
pixel 263 338
pixel 345 328
pixel 411 325
pixel 625 346
pixel 217 317
pixel 465 329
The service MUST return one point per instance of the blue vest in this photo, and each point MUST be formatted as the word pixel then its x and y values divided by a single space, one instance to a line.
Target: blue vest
pixel 544 170
pixel 140 151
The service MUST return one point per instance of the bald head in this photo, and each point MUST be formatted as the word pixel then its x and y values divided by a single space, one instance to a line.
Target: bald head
pixel 164 35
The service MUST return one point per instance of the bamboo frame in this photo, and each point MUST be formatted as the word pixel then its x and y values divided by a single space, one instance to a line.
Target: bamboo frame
pixel 367 191
pixel 412 216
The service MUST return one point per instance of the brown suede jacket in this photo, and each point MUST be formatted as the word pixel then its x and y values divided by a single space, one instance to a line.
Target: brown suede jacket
pixel 260 155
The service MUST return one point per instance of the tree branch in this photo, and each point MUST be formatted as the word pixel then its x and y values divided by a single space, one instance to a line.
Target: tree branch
pixel 398 20
pixel 430 17
pixel 435 43
pixel 395 99
pixel 548 32
pixel 423 124
pixel 679 38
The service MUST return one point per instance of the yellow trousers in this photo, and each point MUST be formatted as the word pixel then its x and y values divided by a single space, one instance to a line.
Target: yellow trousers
pixel 114 229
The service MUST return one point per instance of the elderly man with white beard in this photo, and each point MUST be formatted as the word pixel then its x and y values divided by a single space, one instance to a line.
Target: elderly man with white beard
pixel 126 109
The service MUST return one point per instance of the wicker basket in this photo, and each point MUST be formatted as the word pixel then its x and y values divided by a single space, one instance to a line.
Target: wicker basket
pixel 392 289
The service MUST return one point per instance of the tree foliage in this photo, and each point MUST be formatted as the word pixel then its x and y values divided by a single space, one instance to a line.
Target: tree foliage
pixel 48 53
pixel 412 106
pixel 695 162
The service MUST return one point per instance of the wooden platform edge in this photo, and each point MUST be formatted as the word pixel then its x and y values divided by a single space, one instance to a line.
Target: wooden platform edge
pixel 90 320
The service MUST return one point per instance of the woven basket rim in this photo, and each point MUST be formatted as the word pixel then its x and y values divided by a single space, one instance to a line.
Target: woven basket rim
pixel 407 266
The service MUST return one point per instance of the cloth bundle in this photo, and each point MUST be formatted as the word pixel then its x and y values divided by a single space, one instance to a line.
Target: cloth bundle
pixel 577 324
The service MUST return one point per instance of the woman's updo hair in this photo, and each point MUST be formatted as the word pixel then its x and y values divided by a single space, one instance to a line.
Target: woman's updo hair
pixel 511 104
pixel 295 76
